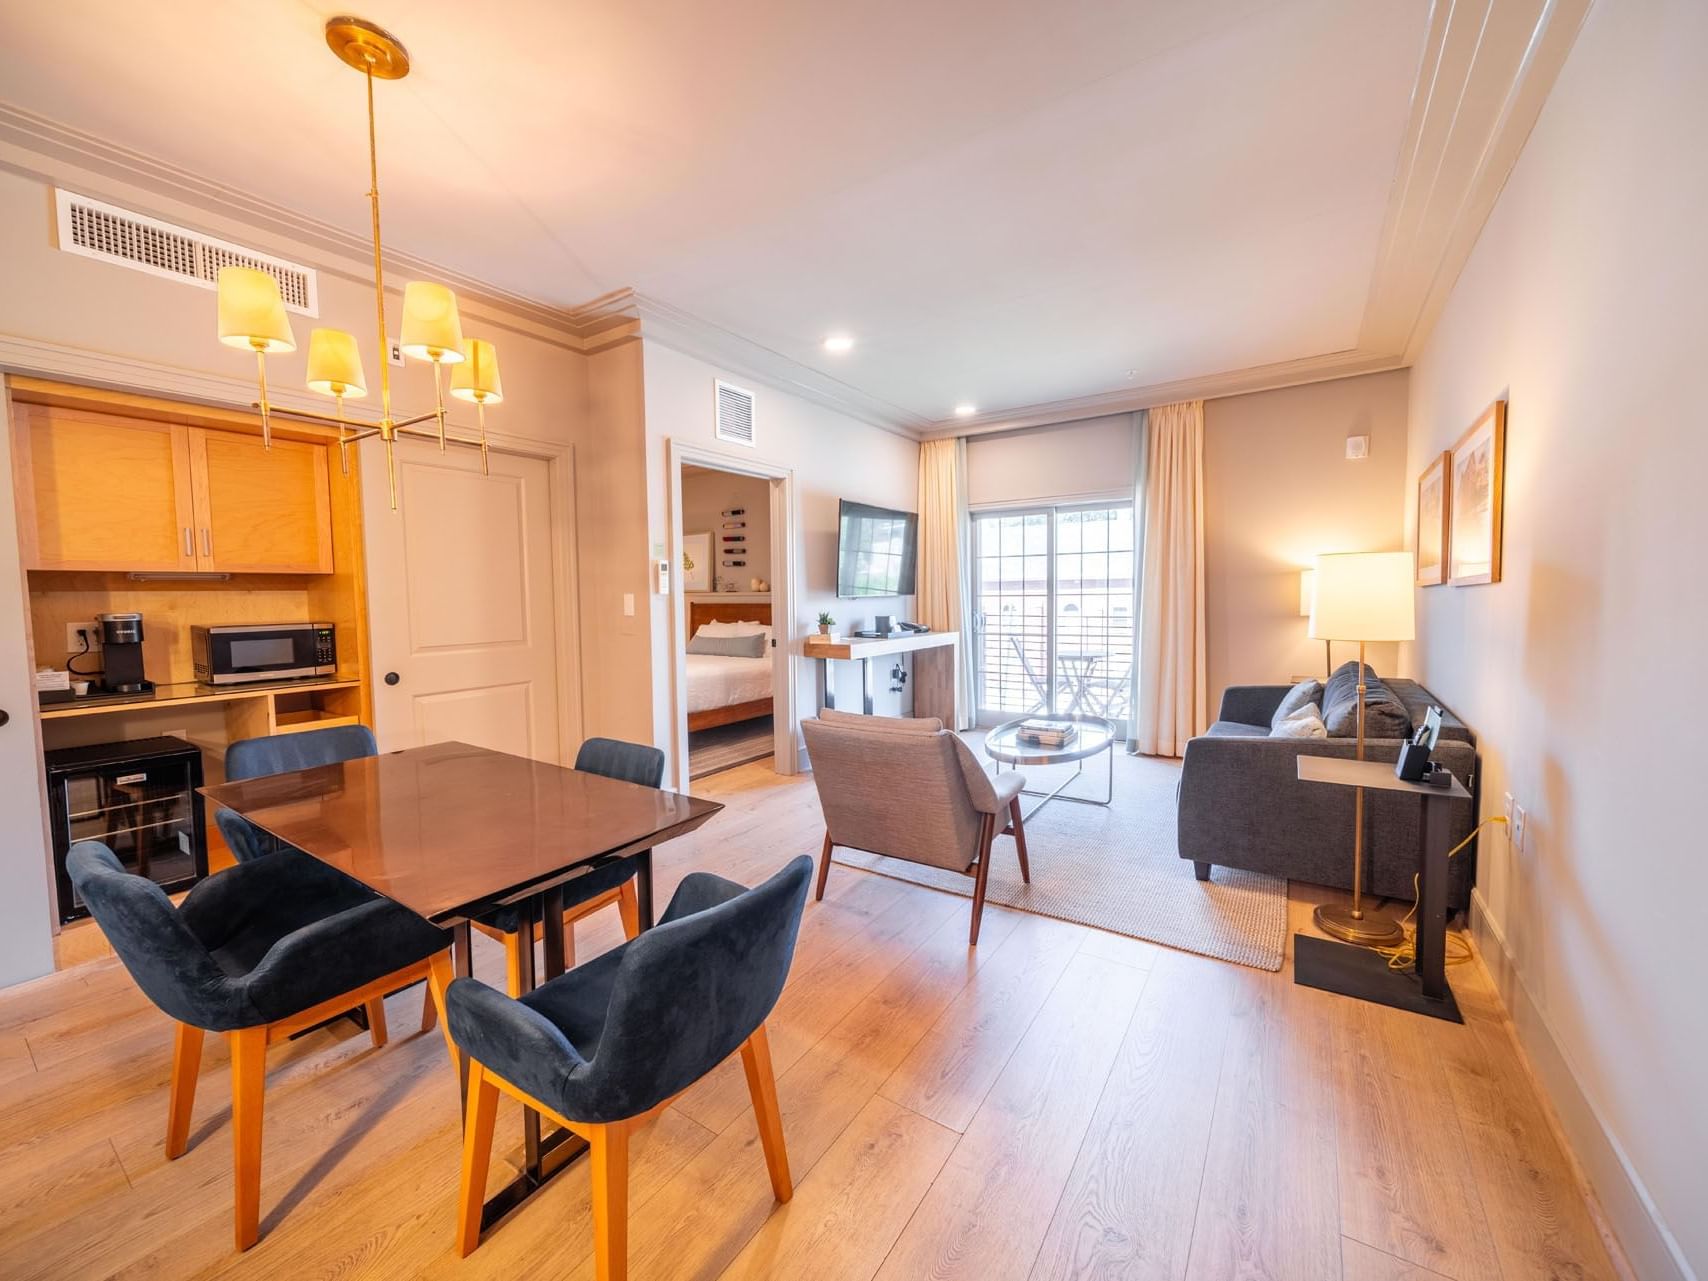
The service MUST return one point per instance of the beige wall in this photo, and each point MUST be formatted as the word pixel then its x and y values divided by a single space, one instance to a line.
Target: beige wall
pixel 706 495
pixel 1278 489
pixel 832 456
pixel 1583 305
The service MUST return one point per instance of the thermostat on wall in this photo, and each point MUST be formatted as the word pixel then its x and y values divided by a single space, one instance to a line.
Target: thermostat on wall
pixel 1358 447
pixel 661 577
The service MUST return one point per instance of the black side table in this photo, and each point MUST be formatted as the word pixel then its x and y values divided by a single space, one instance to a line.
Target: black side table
pixel 1358 971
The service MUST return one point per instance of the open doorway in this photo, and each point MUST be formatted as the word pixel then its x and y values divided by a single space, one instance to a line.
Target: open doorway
pixel 733 693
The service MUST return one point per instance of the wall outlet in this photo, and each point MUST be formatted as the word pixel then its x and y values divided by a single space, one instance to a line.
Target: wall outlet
pixel 74 641
pixel 1518 828
pixel 394 351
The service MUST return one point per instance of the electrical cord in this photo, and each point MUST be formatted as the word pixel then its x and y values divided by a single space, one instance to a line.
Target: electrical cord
pixel 71 663
pixel 1403 955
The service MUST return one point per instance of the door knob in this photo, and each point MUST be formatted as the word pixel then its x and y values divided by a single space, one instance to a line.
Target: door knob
pixel 4 716
pixel 392 678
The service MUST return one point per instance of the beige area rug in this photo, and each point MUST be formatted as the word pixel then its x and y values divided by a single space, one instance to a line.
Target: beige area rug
pixel 1118 869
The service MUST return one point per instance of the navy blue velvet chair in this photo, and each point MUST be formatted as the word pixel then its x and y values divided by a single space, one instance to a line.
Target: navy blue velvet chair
pixel 280 754
pixel 601 1047
pixel 257 952
pixel 603 886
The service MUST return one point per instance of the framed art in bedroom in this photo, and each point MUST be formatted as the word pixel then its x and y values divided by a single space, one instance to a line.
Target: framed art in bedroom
pixel 696 562
pixel 1478 474
pixel 1432 528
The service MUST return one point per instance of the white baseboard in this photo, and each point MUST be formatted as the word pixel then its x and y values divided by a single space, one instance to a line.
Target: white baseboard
pixel 1628 1213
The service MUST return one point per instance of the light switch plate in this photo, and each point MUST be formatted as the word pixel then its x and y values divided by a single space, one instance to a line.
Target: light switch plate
pixel 628 604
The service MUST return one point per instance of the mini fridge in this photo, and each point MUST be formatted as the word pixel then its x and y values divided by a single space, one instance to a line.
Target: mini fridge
pixel 138 799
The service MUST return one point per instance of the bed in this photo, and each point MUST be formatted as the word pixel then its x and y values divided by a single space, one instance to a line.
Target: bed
pixel 721 690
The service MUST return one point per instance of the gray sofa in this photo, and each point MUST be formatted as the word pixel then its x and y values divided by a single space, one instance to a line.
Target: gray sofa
pixel 1242 804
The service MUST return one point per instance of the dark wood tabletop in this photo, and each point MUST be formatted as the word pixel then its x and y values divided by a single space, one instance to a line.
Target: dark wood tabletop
pixel 450 830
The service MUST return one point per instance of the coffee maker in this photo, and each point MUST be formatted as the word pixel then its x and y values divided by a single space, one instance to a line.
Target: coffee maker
pixel 121 654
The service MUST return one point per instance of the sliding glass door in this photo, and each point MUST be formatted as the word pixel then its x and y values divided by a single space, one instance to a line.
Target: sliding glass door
pixel 1053 611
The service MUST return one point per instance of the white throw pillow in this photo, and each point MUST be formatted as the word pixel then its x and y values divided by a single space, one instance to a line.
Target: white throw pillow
pixel 1304 693
pixel 1303 722
pixel 749 628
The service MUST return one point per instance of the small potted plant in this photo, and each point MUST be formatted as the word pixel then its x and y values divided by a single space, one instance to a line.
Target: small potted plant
pixel 825 623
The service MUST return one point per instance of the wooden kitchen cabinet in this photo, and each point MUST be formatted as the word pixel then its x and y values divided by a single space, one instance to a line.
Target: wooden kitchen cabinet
pixel 109 492
pixel 261 511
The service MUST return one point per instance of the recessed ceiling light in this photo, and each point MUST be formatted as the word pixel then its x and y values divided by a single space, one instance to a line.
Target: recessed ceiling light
pixel 965 411
pixel 839 343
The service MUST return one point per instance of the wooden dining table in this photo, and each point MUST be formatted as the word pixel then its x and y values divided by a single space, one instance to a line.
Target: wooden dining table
pixel 452 832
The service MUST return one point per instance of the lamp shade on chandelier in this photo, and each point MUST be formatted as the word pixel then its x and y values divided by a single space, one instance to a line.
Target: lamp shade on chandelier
pixel 252 313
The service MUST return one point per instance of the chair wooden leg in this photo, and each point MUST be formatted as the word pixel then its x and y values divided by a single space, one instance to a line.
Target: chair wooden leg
pixel 439 976
pixel 477 1154
pixel 513 960
pixel 987 832
pixel 628 904
pixel 248 1086
pixel 823 868
pixel 375 1005
pixel 568 943
pixel 1019 825
pixel 429 1009
pixel 609 1159
pixel 762 1085
pixel 186 1063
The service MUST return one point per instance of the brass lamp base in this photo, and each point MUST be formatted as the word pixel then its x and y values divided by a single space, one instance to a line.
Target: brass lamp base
pixel 1338 921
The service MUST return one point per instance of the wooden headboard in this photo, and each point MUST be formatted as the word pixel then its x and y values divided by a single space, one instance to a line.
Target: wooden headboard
pixel 727 611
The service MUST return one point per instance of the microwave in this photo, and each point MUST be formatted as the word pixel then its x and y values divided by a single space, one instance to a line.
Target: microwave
pixel 263 652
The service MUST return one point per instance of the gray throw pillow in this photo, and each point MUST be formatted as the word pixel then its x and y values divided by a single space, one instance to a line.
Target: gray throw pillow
pixel 1301 695
pixel 729 646
pixel 1385 716
pixel 1303 722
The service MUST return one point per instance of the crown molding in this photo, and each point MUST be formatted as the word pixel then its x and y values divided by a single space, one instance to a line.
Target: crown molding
pixel 692 336
pixel 1486 70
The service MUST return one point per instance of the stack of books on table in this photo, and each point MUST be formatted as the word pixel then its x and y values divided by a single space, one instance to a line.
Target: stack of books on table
pixel 1047 733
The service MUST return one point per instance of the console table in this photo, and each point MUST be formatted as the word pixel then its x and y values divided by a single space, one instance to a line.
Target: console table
pixel 935 655
pixel 1360 971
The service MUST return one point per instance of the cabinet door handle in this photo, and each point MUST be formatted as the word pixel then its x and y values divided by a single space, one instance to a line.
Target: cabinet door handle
pixel 207 541
pixel 189 542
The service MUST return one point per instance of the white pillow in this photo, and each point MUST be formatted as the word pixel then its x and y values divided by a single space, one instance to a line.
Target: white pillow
pixel 1304 722
pixel 748 628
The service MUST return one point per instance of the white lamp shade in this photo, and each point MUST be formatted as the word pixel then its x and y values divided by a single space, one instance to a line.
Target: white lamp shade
pixel 1307 591
pixel 476 379
pixel 251 312
pixel 432 329
pixel 335 364
pixel 1363 596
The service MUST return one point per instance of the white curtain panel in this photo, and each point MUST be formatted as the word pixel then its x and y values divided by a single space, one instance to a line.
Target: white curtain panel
pixel 942 599
pixel 1173 698
pixel 1141 484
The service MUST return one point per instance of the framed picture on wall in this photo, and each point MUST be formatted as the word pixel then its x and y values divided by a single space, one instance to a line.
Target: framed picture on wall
pixel 696 562
pixel 1478 474
pixel 1432 529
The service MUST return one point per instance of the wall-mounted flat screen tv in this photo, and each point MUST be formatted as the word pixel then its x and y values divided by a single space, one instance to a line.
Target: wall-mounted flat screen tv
pixel 877 551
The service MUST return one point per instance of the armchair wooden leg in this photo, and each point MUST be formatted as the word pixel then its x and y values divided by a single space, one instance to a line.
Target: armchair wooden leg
pixel 823 869
pixel 375 1006
pixel 987 834
pixel 248 1086
pixel 186 1063
pixel 609 1159
pixel 628 905
pixel 477 1154
pixel 439 976
pixel 429 1010
pixel 513 959
pixel 762 1085
pixel 1019 825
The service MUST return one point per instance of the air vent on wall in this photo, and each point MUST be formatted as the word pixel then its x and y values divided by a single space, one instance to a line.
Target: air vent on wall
pixel 112 234
pixel 735 414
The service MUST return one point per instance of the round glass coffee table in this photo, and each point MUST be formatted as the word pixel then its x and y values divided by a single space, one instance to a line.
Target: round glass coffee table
pixel 1095 734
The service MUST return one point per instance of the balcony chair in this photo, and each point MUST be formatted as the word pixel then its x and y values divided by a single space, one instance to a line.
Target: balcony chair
pixel 610 883
pixel 912 790
pixel 257 952
pixel 601 1048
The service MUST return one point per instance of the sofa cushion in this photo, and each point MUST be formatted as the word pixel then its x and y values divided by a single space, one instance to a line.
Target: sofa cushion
pixel 1303 694
pixel 1385 716
pixel 1236 729
pixel 1305 722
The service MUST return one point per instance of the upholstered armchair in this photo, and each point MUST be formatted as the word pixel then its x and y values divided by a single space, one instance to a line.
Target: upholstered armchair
pixel 281 754
pixel 257 952
pixel 603 1046
pixel 910 789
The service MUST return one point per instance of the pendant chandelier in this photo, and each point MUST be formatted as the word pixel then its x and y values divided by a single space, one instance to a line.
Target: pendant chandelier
pixel 252 314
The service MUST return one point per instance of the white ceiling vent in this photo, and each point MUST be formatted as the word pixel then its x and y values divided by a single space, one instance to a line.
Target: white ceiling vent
pixel 112 234
pixel 735 414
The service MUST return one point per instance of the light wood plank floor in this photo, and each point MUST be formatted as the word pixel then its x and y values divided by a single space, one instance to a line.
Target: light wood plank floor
pixel 1059 1102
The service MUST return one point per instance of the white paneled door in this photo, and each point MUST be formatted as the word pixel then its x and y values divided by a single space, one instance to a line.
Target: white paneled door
pixel 461 601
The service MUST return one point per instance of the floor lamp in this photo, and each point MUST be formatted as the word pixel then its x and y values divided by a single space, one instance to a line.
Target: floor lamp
pixel 1363 597
pixel 1307 597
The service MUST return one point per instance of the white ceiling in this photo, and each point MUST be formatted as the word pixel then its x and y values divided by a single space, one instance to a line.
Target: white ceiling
pixel 1005 202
